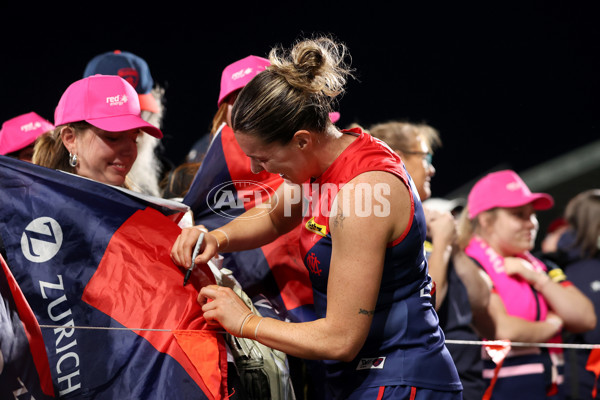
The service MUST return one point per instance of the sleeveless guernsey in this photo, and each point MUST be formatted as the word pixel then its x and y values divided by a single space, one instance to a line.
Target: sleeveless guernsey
pixel 405 345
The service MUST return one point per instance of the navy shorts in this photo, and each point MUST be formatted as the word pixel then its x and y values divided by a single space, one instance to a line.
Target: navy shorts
pixel 403 392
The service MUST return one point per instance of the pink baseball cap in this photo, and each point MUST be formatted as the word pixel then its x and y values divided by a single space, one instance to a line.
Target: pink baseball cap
pixel 108 102
pixel 236 75
pixel 19 132
pixel 504 189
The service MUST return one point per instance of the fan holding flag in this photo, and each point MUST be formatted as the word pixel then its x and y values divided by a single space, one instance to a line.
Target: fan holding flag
pixel 84 251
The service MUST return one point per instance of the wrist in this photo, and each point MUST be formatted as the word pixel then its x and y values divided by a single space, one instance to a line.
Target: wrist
pixel 541 282
pixel 244 322
pixel 222 239
pixel 250 327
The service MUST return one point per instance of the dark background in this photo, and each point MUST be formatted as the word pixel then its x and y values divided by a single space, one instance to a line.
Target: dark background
pixel 506 84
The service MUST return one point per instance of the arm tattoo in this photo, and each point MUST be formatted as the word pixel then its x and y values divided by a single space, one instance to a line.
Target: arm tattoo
pixel 338 222
pixel 366 312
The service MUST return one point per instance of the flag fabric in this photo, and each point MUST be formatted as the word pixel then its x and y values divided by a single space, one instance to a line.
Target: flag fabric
pixel 24 367
pixel 93 262
pixel 224 187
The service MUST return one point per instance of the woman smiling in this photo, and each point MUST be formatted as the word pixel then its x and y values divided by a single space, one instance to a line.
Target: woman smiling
pixel 97 125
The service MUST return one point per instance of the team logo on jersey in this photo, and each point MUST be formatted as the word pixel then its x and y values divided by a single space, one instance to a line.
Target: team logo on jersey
pixel 319 229
pixel 313 264
pixel 370 363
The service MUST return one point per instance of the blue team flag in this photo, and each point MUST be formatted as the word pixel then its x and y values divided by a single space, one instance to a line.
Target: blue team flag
pixel 223 188
pixel 93 262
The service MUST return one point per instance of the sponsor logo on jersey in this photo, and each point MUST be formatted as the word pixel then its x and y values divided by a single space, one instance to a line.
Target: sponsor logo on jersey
pixel 319 229
pixel 370 363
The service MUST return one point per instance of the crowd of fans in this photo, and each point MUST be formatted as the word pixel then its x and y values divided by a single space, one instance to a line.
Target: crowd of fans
pixel 485 279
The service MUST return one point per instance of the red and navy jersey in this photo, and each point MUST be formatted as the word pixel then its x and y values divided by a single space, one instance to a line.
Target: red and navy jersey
pixel 405 345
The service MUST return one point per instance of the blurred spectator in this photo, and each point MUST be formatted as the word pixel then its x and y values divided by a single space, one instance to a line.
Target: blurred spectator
pixel 177 182
pixel 233 78
pixel 18 135
pixel 555 230
pixel 414 143
pixel 453 206
pixel 149 167
pixel 579 249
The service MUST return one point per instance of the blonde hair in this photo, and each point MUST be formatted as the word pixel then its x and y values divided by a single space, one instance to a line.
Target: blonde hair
pixel 49 150
pixel 219 118
pixel 467 227
pixel 401 135
pixel 295 92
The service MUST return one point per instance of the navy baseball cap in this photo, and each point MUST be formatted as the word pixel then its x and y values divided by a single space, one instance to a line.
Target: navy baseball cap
pixel 130 67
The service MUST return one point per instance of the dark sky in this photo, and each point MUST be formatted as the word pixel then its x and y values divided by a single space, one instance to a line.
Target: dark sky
pixel 504 84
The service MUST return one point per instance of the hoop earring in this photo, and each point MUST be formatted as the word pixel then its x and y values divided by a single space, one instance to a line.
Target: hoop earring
pixel 73 160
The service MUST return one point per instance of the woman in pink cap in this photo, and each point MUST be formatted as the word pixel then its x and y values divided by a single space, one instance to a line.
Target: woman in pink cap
pixel 531 300
pixel 18 135
pixel 98 122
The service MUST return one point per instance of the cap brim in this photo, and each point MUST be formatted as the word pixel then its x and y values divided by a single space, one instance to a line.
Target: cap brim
pixel 125 123
pixel 11 144
pixel 17 145
pixel 148 103
pixel 542 201
pixel 539 201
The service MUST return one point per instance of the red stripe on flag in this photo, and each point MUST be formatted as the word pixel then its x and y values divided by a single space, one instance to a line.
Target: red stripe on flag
pixel 32 331
pixel 138 285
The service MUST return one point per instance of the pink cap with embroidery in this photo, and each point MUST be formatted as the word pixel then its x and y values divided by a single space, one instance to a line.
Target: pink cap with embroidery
pixel 504 189
pixel 19 132
pixel 108 102
pixel 236 75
